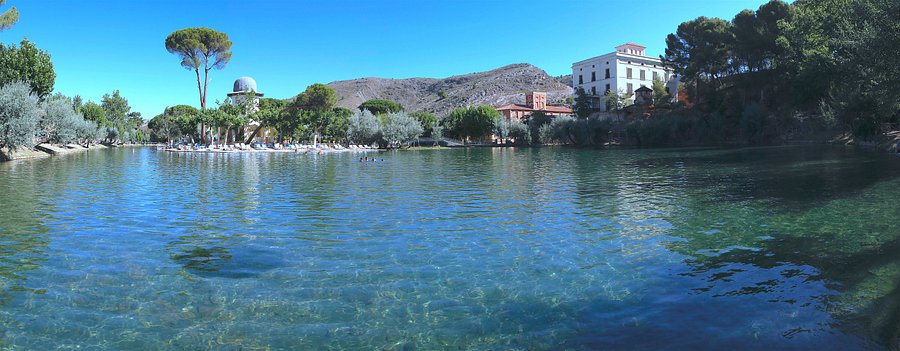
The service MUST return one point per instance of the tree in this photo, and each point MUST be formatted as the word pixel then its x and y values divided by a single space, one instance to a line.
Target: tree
pixel 94 112
pixel 399 128
pixel 58 120
pixel 337 129
pixel 18 115
pixel 85 131
pixel 537 120
pixel 271 113
pixel 381 106
pixel 200 49
pixel 427 120
pixel 116 110
pixel 582 104
pixel 27 63
pixel 315 108
pixel 661 97
pixel 9 17
pixel 364 128
pixel 697 50
pixel 467 122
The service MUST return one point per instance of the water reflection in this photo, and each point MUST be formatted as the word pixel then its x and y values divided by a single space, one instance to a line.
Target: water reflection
pixel 537 248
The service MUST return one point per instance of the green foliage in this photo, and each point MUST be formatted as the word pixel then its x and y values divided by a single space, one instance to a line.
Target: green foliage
pixel 363 127
pixel 316 97
pixel 86 131
pixel 337 129
pixel 752 124
pixel 472 122
pixel 518 131
pixel 58 120
pixel 200 49
pixel 115 108
pixel 94 113
pixel 380 106
pixel 582 104
pixel 661 97
pixel 399 128
pixel 27 63
pixel 617 100
pixel 836 58
pixel 9 17
pixel 535 121
pixel 19 115
pixel 314 109
pixel 174 122
pixel 427 120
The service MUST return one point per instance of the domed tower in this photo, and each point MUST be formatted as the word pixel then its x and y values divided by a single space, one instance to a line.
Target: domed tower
pixel 244 89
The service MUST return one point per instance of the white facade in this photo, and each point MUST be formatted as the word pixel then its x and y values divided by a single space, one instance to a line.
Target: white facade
pixel 624 70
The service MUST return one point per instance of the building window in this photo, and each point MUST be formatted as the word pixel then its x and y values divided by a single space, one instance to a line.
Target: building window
pixel 655 75
pixel 630 88
pixel 593 90
pixel 643 75
pixel 628 72
pixel 607 73
pixel 580 79
pixel 608 89
pixel 593 76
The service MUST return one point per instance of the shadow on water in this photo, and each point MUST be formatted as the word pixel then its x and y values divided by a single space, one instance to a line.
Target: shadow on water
pixel 825 214
pixel 794 177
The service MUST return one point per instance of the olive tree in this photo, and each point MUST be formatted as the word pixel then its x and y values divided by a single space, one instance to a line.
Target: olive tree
pixel 58 120
pixel 400 128
pixel 19 114
pixel 364 127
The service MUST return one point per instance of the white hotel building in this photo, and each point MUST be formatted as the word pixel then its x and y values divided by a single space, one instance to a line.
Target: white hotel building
pixel 624 70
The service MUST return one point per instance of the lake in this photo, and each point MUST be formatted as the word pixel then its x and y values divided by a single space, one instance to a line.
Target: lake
pixel 462 249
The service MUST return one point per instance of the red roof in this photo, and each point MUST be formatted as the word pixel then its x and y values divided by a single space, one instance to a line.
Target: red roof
pixel 517 107
pixel 520 107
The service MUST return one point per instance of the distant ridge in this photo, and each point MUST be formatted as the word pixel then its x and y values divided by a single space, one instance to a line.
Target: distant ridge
pixel 496 88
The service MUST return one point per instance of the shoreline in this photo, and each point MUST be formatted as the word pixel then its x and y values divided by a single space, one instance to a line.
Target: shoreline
pixel 42 151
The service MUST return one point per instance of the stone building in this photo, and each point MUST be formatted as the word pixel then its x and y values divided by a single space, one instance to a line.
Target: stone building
pixel 534 101
pixel 624 70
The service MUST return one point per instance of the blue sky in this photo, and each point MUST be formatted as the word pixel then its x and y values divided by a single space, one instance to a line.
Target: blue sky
pixel 99 46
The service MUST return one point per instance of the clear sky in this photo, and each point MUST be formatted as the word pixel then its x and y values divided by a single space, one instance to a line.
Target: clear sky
pixel 99 46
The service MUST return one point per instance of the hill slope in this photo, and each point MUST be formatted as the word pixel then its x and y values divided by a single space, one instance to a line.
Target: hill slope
pixel 496 87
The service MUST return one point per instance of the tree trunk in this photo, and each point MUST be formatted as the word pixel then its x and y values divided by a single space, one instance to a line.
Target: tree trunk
pixel 253 135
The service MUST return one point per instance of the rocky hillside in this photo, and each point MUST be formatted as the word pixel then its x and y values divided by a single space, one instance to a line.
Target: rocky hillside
pixel 497 87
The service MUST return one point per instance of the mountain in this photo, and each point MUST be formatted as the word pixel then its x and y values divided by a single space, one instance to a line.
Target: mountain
pixel 498 87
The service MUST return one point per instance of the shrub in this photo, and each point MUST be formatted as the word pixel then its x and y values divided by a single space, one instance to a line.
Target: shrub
pixel 399 128
pixel 364 128
pixel 59 121
pixel 19 114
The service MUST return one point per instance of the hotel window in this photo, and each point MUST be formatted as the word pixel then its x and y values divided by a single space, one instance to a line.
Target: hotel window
pixel 607 88
pixel 628 73
pixel 630 88
pixel 593 90
pixel 580 79
pixel 655 75
pixel 643 75
pixel 593 76
pixel 607 73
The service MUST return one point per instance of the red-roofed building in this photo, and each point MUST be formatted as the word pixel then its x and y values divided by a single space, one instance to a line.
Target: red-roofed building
pixel 534 101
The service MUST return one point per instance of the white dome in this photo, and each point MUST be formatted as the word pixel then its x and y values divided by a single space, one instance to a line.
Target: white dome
pixel 244 84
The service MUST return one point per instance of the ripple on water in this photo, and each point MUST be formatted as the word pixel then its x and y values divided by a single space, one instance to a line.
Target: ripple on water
pixel 479 249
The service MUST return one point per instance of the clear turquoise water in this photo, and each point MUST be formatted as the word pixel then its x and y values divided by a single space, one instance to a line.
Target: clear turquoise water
pixel 478 249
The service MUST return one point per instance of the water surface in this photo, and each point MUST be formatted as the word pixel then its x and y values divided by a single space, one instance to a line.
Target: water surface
pixel 471 249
